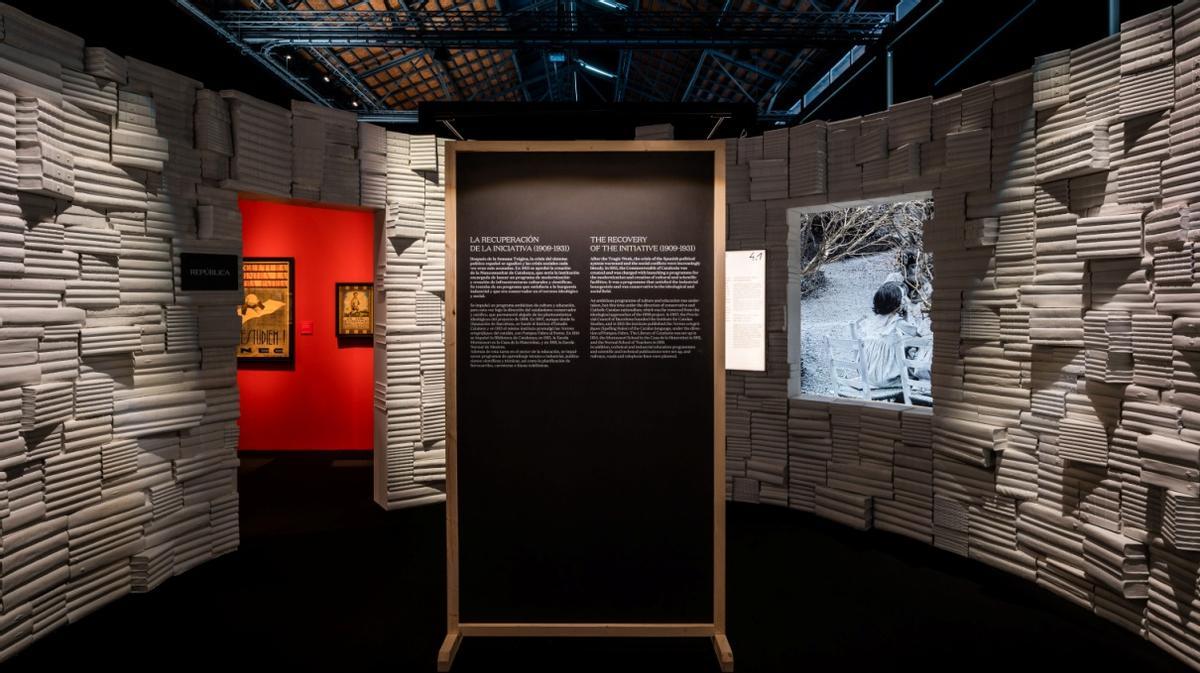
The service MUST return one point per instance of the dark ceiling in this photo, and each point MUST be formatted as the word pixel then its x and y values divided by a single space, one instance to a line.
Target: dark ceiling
pixel 513 68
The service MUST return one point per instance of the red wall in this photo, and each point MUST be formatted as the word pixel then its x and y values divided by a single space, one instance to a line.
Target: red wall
pixel 323 401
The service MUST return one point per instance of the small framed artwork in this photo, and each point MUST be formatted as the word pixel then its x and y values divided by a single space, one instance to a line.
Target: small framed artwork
pixel 267 310
pixel 355 309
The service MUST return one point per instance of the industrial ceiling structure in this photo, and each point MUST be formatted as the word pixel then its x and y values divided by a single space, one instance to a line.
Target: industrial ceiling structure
pixel 385 58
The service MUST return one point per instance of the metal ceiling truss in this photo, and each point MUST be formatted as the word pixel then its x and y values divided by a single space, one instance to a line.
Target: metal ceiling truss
pixel 390 60
pixel 556 29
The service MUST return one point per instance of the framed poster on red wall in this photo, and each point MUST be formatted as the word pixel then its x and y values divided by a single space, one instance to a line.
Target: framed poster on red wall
pixel 267 310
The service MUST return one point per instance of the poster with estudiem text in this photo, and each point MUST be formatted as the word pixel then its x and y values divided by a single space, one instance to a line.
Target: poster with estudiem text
pixel 584 386
pixel 266 310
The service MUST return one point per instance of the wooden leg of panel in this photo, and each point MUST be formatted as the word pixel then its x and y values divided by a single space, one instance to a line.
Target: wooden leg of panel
pixel 449 648
pixel 724 652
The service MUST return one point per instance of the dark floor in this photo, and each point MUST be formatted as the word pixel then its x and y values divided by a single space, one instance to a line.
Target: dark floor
pixel 327 580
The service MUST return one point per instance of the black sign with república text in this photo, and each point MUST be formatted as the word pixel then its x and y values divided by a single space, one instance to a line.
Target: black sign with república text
pixel 204 272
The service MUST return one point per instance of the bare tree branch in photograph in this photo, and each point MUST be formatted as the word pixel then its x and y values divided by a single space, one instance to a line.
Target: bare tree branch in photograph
pixel 835 235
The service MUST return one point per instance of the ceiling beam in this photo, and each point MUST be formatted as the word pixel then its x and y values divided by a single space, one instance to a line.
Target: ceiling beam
pixel 499 29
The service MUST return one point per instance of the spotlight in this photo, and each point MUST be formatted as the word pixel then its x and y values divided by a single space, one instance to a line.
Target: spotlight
pixel 354 103
pixel 326 78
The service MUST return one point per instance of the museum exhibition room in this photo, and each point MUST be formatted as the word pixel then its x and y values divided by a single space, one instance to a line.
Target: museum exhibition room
pixel 889 359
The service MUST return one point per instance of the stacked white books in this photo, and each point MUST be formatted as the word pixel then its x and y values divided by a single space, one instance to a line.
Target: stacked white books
pixel 262 144
pixel 845 174
pixel 1108 339
pixel 118 458
pixel 72 480
pixel 808 153
pixel 373 165
pixel 992 537
pixel 848 509
pixel 324 154
pixel 1147 64
pixel 1095 72
pixel 749 148
pixel 810 448
pixel 214 138
pixel 136 142
pixel 950 525
pixel 45 165
pixel 106 532
pixel 768 179
pixel 1051 79
pixel 104 64
pixel 158 409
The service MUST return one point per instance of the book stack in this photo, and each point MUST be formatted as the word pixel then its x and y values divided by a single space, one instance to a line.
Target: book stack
pixel 1170 620
pixel 749 148
pixel 768 179
pixel 1181 521
pixel 103 186
pixel 214 138
pixel 174 99
pixel 42 544
pixel 429 464
pixel 217 214
pixel 845 174
pixel 44 404
pixel 880 433
pixel 848 509
pixel 1152 350
pixel 810 448
pixel 106 532
pixel 867 479
pixel 113 340
pixel 1147 64
pixel 1080 150
pixel 1169 462
pixel 950 525
pixel 72 480
pixel 136 142
pixel 1115 231
pixel 118 458
pixel 1179 184
pixel 968 159
pixel 262 145
pixel 977 107
pixel 433 392
pixel 845 423
pixel 775 144
pixel 1051 80
pixel 44 163
pixel 769 454
pixel 747 221
pixel 102 63
pixel 158 409
pixel 422 154
pixel 1108 339
pixel 1145 141
pixel 992 533
pixel 808 153
pixel 325 166
pixel 23 33
pixel 84 135
pixel 149 568
pixel 223 517
pixel 372 165
pixel 145 270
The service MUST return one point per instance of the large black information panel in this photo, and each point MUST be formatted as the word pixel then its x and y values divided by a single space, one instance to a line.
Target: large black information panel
pixel 584 386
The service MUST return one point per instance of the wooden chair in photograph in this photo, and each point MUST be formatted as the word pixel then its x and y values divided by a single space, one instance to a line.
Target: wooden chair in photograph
pixel 848 370
pixel 916 390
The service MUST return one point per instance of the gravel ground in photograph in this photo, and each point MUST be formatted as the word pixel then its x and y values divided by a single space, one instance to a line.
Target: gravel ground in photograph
pixel 846 297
